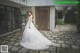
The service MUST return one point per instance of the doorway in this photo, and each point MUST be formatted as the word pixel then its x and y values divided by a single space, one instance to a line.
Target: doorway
pixel 43 18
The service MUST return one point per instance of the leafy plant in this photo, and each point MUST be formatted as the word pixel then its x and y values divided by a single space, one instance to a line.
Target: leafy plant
pixel 61 22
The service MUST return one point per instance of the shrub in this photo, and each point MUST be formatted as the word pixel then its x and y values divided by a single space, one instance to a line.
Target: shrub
pixel 60 22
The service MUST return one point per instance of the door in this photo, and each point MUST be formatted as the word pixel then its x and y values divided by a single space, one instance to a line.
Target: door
pixel 43 18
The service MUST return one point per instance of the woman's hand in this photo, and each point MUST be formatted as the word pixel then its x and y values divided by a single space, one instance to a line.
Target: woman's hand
pixel 29 27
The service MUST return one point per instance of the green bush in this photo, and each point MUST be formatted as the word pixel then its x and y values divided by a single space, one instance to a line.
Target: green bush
pixel 60 22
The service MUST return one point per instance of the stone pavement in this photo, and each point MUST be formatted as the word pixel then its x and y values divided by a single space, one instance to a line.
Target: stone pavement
pixel 64 42
pixel 66 27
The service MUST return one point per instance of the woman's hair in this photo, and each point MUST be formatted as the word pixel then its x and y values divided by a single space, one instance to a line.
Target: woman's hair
pixel 31 13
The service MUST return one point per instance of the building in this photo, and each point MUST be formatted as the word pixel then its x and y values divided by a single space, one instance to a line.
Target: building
pixel 13 13
pixel 10 16
pixel 45 12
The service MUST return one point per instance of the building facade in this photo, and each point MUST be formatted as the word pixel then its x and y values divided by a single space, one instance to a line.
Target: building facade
pixel 46 12
pixel 13 13
pixel 10 16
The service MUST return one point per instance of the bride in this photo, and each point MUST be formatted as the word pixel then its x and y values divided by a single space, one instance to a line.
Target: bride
pixel 32 38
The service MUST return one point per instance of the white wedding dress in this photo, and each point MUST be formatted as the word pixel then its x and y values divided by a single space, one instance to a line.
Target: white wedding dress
pixel 33 39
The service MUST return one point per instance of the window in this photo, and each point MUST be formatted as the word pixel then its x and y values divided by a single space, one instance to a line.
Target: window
pixel 3 20
pixel 9 19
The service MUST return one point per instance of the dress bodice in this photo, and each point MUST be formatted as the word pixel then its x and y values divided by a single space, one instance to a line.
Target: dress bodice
pixel 30 18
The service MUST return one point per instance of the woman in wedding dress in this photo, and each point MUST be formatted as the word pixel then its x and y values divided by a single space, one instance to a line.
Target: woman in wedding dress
pixel 32 38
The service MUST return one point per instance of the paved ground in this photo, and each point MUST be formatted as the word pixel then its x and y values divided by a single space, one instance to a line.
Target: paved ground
pixel 64 42
pixel 66 27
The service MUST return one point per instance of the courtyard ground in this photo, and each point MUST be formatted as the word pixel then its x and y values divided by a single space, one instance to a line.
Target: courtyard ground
pixel 64 42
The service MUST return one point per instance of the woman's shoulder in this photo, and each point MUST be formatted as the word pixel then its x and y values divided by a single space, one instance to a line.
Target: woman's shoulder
pixel 30 16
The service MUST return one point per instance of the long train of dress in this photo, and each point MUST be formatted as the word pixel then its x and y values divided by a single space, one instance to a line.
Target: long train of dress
pixel 33 39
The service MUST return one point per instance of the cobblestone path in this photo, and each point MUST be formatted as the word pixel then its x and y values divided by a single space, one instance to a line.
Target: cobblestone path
pixel 64 42
pixel 66 27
